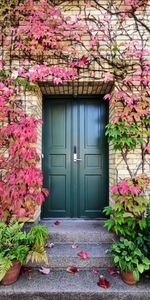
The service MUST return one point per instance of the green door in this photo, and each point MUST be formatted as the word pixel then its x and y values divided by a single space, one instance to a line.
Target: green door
pixel 72 130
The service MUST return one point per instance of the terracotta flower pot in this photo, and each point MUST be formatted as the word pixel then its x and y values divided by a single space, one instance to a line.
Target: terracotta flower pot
pixel 12 274
pixel 128 278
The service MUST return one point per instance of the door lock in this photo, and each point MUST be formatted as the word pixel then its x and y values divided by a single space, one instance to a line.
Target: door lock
pixel 75 158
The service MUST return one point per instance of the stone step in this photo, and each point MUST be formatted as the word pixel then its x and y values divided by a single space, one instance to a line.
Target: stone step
pixel 61 285
pixel 78 231
pixel 62 255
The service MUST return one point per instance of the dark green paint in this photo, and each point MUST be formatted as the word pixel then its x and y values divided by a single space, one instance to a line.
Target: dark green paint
pixel 77 189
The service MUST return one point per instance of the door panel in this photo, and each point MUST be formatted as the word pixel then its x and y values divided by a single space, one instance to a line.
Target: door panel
pixel 56 162
pixel 92 188
pixel 77 189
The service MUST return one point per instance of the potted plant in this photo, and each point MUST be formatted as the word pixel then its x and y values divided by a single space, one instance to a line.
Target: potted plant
pixel 129 258
pixel 18 247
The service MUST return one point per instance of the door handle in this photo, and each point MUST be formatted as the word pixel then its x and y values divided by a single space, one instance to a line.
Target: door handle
pixel 75 158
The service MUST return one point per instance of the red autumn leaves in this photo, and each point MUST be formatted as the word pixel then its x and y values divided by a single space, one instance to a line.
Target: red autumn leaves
pixel 82 254
pixel 57 222
pixel 102 282
pixel 72 269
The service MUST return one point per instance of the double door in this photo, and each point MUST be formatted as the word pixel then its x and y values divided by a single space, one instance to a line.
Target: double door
pixel 75 160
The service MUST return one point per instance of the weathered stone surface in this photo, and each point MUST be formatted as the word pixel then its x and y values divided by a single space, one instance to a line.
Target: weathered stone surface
pixel 62 255
pixel 60 285
pixel 78 231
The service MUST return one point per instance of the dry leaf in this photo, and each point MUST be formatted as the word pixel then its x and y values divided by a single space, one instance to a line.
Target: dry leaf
pixel 49 245
pixel 113 270
pixel 74 246
pixel 26 270
pixel 103 282
pixel 44 270
pixel 57 222
pixel 72 269
pixel 83 254
pixel 95 270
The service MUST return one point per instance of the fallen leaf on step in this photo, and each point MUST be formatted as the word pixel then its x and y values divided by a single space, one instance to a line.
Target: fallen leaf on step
pixel 44 270
pixel 49 245
pixel 26 270
pixel 103 282
pixel 113 270
pixel 74 246
pixel 57 222
pixel 95 270
pixel 83 254
pixel 72 269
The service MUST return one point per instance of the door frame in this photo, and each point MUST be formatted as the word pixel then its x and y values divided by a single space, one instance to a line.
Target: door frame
pixel 79 98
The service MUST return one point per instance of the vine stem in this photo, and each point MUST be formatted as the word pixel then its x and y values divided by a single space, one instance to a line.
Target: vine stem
pixel 124 156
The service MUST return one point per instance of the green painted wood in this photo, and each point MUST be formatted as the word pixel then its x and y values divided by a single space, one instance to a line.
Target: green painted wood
pixel 93 176
pixel 56 161
pixel 77 189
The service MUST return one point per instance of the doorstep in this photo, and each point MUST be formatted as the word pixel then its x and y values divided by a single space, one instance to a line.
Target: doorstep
pixel 61 285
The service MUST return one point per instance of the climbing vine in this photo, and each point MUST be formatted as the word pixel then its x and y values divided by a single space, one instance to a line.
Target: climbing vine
pixel 36 34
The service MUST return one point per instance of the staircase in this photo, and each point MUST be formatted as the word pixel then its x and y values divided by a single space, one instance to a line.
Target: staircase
pixel 90 236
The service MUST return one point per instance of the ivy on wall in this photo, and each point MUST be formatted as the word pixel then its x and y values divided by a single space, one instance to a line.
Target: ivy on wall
pixel 34 33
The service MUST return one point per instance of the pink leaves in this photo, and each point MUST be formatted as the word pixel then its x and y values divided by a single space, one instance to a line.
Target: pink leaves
pixel 83 254
pixel 107 97
pixel 45 192
pixel 72 269
pixel 21 212
pixel 125 187
pixel 106 17
pixel 103 282
pixel 49 245
pixel 82 61
pixel 93 41
pixel 38 72
pixel 95 270
pixel 134 190
pixel 22 180
pixel 114 189
pixel 74 246
pixel 46 29
pixel 44 270
pixel 108 76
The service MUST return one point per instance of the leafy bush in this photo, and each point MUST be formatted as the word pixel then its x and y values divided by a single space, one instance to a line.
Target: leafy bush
pixel 130 207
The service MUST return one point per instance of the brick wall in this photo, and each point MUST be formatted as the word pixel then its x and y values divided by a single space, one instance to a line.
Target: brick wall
pixel 91 83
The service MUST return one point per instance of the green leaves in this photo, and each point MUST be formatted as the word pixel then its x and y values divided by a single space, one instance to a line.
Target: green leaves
pixel 136 275
pixel 129 257
pixel 20 245
pixel 146 261
pixel 5 265
pixel 116 259
pixel 24 82
pixel 142 223
pixel 38 234
pixel 124 135
pixel 140 268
